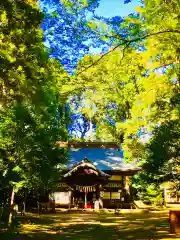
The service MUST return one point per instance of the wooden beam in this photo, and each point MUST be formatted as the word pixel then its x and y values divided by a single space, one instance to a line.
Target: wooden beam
pixel 122 172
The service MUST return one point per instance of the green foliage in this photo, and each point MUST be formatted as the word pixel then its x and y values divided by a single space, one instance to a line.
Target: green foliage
pixel 161 164
pixel 32 112
pixel 134 91
pixel 150 193
pixel 130 92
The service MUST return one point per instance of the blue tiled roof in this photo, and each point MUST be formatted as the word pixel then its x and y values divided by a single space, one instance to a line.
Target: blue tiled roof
pixel 102 158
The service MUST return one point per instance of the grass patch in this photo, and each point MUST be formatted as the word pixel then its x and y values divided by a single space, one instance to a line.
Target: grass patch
pixel 100 226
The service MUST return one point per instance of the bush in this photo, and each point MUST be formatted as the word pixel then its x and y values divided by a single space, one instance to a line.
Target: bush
pixel 151 194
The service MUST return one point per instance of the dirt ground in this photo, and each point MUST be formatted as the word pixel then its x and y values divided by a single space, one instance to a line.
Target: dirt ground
pixel 95 226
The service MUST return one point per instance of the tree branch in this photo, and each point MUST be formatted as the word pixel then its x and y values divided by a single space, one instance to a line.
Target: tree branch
pixel 127 42
pixel 123 51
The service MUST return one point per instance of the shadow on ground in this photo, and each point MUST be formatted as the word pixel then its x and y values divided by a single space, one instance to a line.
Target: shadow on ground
pixel 82 226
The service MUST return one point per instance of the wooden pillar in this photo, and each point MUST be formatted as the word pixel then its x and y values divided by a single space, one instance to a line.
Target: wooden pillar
pixel 123 189
pixel 98 192
pixel 174 218
pixel 70 199
pixel 127 185
pixel 123 182
pixel 85 200
pixel 165 196
pixel 100 196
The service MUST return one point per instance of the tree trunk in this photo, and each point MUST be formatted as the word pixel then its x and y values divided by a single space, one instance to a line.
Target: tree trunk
pixel 11 207
pixel 24 207
pixel 2 211
pixel 38 205
pixel 24 203
pixel 90 130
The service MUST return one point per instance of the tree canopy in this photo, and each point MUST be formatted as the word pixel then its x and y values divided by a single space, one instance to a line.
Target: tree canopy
pixel 128 93
pixel 33 116
pixel 132 90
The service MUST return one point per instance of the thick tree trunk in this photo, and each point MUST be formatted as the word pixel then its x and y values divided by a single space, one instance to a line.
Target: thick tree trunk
pixel 39 207
pixel 2 211
pixel 24 203
pixel 24 207
pixel 11 207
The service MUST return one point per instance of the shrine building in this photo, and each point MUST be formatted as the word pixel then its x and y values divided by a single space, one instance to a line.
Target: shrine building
pixel 95 177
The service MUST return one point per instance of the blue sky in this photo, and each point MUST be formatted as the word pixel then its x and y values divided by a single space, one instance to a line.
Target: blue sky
pixel 111 8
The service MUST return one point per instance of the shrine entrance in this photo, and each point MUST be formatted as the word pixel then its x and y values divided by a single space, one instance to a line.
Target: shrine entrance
pixel 84 199
pixel 86 181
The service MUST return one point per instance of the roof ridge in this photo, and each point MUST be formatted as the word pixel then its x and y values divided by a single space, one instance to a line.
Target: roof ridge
pixel 83 163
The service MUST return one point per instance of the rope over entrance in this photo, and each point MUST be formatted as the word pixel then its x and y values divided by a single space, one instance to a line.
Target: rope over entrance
pixel 86 188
